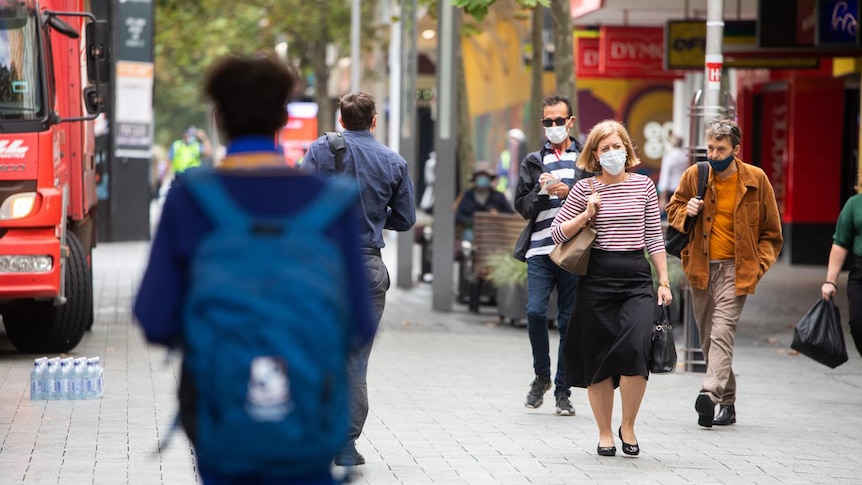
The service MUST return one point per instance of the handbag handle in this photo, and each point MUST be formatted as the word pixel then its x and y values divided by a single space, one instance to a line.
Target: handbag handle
pixel 662 321
pixel 592 191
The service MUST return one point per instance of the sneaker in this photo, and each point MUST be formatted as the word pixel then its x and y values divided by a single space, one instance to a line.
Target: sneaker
pixel 564 406
pixel 538 388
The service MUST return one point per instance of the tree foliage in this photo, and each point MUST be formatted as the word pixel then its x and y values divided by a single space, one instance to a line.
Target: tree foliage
pixel 189 36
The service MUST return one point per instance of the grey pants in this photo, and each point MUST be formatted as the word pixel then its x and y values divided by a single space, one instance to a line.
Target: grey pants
pixel 357 363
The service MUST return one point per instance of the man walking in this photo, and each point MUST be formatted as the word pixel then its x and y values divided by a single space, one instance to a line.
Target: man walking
pixel 734 241
pixel 387 200
pixel 544 180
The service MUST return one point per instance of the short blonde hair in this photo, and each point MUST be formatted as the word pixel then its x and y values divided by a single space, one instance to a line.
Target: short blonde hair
pixel 603 129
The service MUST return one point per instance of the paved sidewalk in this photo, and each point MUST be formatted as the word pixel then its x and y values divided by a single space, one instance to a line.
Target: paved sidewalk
pixel 446 393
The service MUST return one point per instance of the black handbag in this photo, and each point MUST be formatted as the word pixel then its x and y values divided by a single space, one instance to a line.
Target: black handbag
pixel 662 346
pixel 818 335
pixel 675 241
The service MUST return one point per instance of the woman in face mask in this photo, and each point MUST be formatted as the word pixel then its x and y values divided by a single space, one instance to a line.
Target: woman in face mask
pixel 608 342
pixel 481 197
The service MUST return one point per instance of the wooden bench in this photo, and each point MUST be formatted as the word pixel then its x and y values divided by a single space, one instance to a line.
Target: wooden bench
pixel 492 234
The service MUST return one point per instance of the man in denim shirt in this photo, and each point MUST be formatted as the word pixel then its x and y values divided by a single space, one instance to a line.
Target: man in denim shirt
pixel 386 196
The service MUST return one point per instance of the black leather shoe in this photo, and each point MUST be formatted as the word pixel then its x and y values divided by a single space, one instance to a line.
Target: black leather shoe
pixel 606 450
pixel 726 415
pixel 349 457
pixel 627 448
pixel 705 411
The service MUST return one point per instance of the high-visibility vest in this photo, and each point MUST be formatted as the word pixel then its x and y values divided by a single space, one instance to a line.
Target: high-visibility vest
pixel 505 163
pixel 186 156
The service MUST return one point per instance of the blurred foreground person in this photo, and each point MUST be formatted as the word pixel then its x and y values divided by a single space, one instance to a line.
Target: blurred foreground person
pixel 256 274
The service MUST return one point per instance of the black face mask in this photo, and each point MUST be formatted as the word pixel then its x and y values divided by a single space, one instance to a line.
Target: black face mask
pixel 720 165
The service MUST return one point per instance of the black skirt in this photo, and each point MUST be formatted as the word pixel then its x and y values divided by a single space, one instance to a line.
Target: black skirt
pixel 609 333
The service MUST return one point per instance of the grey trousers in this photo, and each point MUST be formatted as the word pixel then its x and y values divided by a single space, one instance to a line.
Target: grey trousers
pixel 357 363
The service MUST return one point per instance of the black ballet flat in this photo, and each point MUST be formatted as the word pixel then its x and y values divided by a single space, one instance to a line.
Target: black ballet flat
pixel 606 450
pixel 627 448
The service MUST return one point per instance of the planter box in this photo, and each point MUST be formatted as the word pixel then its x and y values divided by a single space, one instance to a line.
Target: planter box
pixel 512 304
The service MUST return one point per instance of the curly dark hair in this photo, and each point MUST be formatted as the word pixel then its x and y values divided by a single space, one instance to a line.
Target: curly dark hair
pixel 357 110
pixel 250 94
pixel 557 99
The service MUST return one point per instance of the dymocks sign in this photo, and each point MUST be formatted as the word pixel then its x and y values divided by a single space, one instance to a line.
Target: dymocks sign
pixel 633 52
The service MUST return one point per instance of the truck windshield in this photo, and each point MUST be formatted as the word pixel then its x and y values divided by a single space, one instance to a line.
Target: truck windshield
pixel 20 97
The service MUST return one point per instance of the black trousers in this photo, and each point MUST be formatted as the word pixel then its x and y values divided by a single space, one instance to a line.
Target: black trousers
pixel 854 296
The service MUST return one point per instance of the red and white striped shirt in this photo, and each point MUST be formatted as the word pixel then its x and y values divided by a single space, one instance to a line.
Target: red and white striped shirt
pixel 628 220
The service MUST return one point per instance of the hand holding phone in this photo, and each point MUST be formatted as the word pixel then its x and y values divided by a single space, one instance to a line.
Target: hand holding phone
pixel 549 183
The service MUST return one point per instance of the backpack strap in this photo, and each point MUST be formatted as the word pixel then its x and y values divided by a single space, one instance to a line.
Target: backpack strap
pixel 338 147
pixel 211 197
pixel 702 176
pixel 339 194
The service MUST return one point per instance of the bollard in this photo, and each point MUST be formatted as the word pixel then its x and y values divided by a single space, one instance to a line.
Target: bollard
pixel 692 354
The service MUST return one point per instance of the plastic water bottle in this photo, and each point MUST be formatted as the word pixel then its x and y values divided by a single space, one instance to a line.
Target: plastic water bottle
pixel 65 378
pixel 50 379
pixel 97 377
pixel 76 387
pixel 36 375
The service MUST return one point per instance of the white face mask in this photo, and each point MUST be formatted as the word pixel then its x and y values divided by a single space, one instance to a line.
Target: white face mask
pixel 556 134
pixel 613 161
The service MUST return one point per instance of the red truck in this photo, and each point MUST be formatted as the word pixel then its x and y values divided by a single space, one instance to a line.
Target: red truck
pixel 53 62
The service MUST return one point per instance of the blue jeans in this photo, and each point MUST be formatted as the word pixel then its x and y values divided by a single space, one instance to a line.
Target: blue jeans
pixel 357 362
pixel 542 276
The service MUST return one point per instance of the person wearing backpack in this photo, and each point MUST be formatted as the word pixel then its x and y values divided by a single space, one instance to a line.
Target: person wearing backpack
pixel 256 274
pixel 387 201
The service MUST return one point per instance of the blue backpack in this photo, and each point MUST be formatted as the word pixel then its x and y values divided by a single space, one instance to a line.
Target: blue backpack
pixel 266 336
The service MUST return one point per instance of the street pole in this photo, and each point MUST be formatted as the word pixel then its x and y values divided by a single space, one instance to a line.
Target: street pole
pixel 355 26
pixel 714 60
pixel 445 145
pixel 407 145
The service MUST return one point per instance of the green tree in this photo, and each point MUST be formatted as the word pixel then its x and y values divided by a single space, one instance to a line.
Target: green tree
pixel 191 35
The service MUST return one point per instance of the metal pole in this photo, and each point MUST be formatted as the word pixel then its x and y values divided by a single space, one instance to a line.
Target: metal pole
pixel 407 146
pixel 445 146
pixel 714 59
pixel 355 26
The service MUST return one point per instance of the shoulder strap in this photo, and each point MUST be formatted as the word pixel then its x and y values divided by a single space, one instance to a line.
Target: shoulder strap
pixel 338 147
pixel 339 194
pixel 218 205
pixel 702 176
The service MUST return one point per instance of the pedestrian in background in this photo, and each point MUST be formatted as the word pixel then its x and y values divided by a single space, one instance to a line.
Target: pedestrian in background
pixel 481 197
pixel 608 344
pixel 507 163
pixel 189 151
pixel 734 241
pixel 673 164
pixel 544 181
pixel 847 241
pixel 248 95
pixel 387 200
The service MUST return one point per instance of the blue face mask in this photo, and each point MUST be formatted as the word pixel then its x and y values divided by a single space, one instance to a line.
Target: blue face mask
pixel 720 165
pixel 483 181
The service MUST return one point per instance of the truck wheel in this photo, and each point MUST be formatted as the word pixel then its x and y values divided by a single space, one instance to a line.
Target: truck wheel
pixel 39 326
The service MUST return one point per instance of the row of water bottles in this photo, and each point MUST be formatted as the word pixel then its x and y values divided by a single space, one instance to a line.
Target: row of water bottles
pixel 68 378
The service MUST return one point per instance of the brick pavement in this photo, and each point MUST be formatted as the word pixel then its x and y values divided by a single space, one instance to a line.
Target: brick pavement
pixel 446 393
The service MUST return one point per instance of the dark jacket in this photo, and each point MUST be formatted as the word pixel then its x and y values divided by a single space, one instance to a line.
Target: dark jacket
pixel 528 202
pixel 469 206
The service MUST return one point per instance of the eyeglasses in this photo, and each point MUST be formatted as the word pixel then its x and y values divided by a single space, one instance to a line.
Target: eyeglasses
pixel 547 122
pixel 721 127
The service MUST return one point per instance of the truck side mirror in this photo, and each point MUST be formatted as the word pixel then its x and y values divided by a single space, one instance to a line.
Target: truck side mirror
pixel 94 102
pixel 98 52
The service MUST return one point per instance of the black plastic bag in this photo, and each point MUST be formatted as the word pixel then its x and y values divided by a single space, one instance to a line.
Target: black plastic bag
pixel 662 348
pixel 819 336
